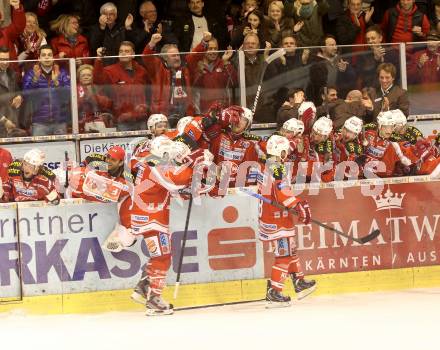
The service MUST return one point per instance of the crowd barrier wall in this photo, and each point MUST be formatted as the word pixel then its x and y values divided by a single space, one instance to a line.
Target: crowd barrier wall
pixel 61 255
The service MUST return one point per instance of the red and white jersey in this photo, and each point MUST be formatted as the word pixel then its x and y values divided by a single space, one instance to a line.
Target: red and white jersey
pixel 388 152
pixel 234 150
pixel 273 222
pixel 322 152
pixel 5 161
pixel 148 208
pixel 17 189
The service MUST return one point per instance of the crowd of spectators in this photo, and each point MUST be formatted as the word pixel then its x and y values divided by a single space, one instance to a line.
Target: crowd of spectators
pixel 116 90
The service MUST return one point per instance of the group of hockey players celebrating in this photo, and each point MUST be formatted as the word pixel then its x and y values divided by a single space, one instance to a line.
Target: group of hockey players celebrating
pixel 210 153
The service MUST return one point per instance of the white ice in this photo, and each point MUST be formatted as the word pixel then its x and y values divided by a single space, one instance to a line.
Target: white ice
pixel 374 321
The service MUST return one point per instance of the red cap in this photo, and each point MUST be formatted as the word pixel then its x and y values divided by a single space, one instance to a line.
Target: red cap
pixel 116 152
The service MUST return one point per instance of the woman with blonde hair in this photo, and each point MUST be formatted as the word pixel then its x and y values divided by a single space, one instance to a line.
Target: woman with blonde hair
pixel 277 25
pixel 32 38
pixel 69 43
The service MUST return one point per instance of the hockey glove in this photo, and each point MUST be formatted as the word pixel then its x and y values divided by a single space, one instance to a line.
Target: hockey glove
pixel 303 210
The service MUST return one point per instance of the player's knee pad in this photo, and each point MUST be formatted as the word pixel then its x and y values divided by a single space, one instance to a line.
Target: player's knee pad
pixel 285 246
pixel 159 245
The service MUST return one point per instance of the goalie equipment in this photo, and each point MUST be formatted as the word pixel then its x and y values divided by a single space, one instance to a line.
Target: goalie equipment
pixel 182 123
pixel 34 157
pixel 354 124
pixel 294 125
pixel 154 119
pixel 399 117
pixel 278 146
pixel 386 119
pixel 323 126
pixel 120 238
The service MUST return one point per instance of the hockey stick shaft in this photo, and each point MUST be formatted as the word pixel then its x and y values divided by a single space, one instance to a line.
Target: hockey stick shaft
pixel 277 54
pixel 361 240
pixel 66 158
pixel 182 252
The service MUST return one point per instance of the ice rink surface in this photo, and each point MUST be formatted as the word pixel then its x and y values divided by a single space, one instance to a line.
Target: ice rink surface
pixel 394 320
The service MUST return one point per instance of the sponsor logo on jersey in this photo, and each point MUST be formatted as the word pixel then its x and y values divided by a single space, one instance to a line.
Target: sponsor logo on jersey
pixel 139 218
pixel 282 247
pixel 375 152
pixel 153 246
pixel 245 144
pixel 231 155
pixel 269 226
pixel 164 243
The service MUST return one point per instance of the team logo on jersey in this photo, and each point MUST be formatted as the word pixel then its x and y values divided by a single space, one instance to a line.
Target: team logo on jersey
pixel 153 246
pixel 245 144
pixel 282 247
pixel 164 243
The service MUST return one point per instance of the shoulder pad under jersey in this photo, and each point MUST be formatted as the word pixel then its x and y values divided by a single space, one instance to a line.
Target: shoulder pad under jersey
pixel 354 148
pixel 14 168
pixel 252 137
pixel 45 171
pixel 370 126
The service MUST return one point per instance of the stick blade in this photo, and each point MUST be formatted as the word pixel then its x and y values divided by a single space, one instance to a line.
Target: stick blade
pixel 370 236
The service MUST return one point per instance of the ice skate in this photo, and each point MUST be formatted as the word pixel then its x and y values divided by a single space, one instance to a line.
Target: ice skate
pixel 156 306
pixel 275 299
pixel 140 292
pixel 302 286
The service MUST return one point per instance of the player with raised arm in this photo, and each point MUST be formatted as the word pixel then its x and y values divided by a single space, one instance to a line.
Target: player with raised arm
pixel 277 226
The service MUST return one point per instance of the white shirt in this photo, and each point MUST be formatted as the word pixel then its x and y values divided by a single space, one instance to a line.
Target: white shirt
pixel 200 26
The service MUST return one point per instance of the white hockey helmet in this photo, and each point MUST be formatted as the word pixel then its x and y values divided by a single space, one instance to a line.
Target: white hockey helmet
pixel 354 124
pixel 35 157
pixel 294 125
pixel 323 126
pixel 154 119
pixel 182 123
pixel 163 147
pixel 386 118
pixel 305 106
pixel 276 145
pixel 248 115
pixel 399 117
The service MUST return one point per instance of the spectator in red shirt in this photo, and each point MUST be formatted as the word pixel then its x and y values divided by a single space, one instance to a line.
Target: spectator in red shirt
pixel 214 76
pixel 127 82
pixel 424 67
pixel 32 38
pixel 9 34
pixel 405 23
pixel 5 160
pixel 69 43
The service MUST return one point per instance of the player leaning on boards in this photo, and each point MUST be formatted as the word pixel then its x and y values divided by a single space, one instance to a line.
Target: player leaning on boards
pixel 277 226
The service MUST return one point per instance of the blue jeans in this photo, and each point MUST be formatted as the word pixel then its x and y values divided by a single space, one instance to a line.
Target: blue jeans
pixel 39 129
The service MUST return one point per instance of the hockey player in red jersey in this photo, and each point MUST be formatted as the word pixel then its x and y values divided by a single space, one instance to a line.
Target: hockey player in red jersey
pixel 233 146
pixel 30 180
pixel 348 146
pixel 277 226
pixel 379 147
pixel 403 131
pixel 166 170
pixel 101 178
pixel 319 150
pixel 5 160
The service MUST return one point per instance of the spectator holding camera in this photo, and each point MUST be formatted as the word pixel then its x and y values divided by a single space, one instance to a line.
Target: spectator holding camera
pixel 254 23
pixel 127 85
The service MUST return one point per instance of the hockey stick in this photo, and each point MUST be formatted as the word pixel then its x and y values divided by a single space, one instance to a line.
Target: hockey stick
pixel 66 158
pixel 182 252
pixel 361 240
pixel 277 54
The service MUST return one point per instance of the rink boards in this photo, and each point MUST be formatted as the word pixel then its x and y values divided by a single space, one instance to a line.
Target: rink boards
pixel 64 268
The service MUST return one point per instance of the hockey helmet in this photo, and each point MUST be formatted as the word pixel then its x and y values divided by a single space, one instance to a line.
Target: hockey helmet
pixel 182 123
pixel 276 145
pixel 386 118
pixel 323 126
pixel 294 125
pixel 306 106
pixel 154 119
pixel 354 124
pixel 35 157
pixel 399 117
pixel 163 147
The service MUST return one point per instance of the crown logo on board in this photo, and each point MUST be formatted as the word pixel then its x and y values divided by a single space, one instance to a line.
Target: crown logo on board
pixel 389 200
